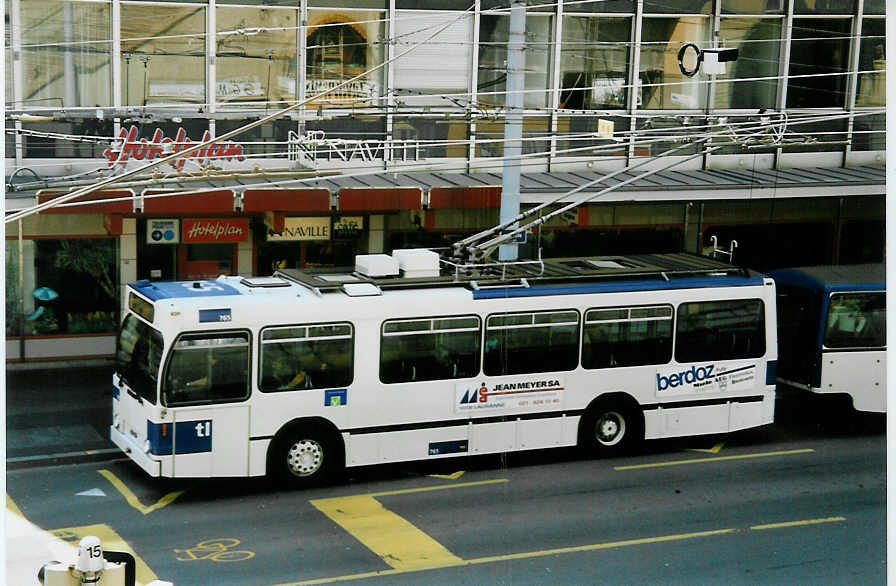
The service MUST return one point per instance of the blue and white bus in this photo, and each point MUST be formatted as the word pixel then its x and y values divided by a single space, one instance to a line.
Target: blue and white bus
pixel 832 332
pixel 406 358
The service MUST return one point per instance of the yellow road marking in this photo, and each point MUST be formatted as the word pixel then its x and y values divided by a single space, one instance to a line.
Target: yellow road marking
pixel 797 523
pixel 111 541
pixel 12 507
pixel 393 538
pixel 713 450
pixel 454 476
pixel 717 459
pixel 439 487
pixel 398 542
pixel 132 499
pixel 564 550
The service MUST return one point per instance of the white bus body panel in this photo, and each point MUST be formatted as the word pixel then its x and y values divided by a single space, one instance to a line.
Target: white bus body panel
pixel 211 441
pixel 862 375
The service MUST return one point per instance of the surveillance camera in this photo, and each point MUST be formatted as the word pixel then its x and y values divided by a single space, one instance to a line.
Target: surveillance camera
pixel 714 59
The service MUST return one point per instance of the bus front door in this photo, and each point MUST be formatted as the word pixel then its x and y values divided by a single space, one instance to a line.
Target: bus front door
pixel 211 441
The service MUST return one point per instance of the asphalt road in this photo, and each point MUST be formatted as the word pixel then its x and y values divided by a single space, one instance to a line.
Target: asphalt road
pixel 799 502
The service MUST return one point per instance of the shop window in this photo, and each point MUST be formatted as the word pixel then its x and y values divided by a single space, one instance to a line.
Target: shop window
pixel 594 62
pixel 577 133
pixel 663 86
pixel 872 90
pixel 677 6
pixel 422 138
pixel 66 52
pixel 869 133
pixel 75 288
pixel 452 49
pixel 827 85
pixel 162 54
pixel 255 50
pixel 89 138
pixel 758 41
pixel 824 6
pixel 490 137
pixel 753 6
pixel 339 48
pixel 494 32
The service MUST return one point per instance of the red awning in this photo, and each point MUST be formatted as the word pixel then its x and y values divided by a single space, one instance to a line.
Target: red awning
pixel 286 200
pixel 380 199
pixel 213 202
pixel 116 207
pixel 464 198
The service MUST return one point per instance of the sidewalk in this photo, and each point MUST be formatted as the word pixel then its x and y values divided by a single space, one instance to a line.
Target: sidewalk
pixel 58 413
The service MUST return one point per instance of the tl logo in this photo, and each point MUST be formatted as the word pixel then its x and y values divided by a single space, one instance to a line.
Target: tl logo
pixel 479 395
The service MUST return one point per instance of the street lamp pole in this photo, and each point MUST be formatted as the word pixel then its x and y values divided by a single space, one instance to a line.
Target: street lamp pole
pixel 513 122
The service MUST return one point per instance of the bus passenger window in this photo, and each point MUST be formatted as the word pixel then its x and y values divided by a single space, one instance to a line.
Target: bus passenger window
pixel 306 357
pixel 429 349
pixel 206 368
pixel 720 330
pixel 523 343
pixel 627 337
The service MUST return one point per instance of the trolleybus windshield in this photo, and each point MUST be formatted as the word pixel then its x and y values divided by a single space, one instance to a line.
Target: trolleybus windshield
pixel 139 353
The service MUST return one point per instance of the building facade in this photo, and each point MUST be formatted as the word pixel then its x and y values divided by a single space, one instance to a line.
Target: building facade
pixel 412 153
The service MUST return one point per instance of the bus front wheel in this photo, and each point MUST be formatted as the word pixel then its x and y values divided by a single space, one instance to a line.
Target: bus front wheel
pixel 305 456
pixel 611 427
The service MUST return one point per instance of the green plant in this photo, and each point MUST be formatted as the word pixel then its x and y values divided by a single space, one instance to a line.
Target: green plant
pixel 94 257
pixel 46 324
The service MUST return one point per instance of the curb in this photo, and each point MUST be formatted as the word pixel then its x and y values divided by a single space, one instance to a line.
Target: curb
pixel 105 454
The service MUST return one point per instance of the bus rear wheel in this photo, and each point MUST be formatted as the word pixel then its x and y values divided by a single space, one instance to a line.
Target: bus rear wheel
pixel 305 456
pixel 610 428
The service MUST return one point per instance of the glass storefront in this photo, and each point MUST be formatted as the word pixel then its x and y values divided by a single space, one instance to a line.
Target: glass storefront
pixel 162 54
pixel 582 65
pixel 70 287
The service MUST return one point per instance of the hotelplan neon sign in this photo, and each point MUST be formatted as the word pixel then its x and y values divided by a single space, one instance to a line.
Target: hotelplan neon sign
pixel 128 147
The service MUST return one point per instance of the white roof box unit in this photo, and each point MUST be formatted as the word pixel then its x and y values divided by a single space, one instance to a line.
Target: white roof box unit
pixel 417 262
pixel 376 265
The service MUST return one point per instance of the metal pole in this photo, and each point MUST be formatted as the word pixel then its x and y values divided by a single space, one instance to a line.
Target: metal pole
pixel 513 122
pixel 21 294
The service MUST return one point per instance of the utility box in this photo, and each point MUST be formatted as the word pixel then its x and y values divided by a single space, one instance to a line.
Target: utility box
pixel 417 262
pixel 376 265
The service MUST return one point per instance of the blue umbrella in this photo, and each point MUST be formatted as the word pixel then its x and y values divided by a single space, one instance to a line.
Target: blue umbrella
pixel 44 294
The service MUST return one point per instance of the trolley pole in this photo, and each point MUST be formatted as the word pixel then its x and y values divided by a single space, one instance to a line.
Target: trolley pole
pixel 513 123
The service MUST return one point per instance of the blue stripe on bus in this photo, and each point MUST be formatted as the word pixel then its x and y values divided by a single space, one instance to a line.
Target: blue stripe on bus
pixel 193 437
pixel 161 438
pixel 771 370
pixel 616 286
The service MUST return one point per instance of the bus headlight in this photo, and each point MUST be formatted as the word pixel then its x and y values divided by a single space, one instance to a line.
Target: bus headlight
pixel 146 446
pixel 116 422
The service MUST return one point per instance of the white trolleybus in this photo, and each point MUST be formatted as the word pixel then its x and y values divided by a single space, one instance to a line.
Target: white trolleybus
pixel 405 358
pixel 832 329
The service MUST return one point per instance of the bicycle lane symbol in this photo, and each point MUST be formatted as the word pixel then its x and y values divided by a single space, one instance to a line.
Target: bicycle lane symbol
pixel 216 550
